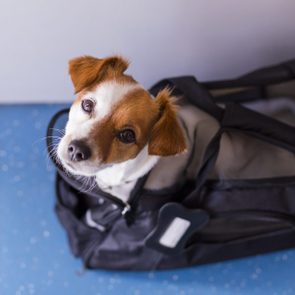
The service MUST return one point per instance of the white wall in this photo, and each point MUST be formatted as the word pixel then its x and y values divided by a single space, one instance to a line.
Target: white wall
pixel 207 38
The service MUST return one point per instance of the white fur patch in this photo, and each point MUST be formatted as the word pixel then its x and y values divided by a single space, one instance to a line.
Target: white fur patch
pixel 105 96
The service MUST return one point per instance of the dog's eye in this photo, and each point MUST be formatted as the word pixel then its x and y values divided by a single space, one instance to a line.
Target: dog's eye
pixel 126 136
pixel 87 105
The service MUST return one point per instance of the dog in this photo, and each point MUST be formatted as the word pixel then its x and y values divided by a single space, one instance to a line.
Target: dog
pixel 118 132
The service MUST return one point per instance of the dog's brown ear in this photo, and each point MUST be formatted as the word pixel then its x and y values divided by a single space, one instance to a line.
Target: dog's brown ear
pixel 86 70
pixel 167 138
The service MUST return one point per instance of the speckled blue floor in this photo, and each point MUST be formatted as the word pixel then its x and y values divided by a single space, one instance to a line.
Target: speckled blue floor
pixel 34 254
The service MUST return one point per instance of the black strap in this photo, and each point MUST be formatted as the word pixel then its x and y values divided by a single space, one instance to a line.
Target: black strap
pixel 252 86
pixel 207 166
pixel 242 96
pixel 237 117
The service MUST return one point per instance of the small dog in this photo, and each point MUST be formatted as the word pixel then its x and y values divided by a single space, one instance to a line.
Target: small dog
pixel 117 132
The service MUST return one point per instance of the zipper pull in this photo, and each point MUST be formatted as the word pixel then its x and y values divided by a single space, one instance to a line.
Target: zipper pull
pixel 126 209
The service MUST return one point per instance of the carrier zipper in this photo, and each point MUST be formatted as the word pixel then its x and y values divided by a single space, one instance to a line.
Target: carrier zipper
pixel 131 206
pixel 125 206
pixel 272 214
pixel 128 209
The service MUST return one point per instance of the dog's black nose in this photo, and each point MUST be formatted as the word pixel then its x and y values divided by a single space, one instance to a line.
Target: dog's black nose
pixel 78 151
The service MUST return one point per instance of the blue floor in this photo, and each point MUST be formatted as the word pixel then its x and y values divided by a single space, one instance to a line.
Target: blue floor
pixel 34 254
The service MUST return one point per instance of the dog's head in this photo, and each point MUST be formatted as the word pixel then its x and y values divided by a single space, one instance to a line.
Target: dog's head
pixel 113 118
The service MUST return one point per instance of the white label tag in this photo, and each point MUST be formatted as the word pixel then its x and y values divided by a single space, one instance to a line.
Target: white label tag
pixel 174 232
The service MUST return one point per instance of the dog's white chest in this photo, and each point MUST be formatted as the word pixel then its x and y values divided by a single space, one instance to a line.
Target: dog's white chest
pixel 120 179
pixel 121 191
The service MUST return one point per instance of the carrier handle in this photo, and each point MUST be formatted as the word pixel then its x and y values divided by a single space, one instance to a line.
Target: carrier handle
pixel 252 86
pixel 282 72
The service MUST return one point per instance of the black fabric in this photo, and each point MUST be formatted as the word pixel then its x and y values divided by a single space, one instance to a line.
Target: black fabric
pixel 246 217
pixel 123 247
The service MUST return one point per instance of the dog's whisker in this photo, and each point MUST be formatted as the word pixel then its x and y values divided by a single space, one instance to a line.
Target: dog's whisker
pixel 53 150
pixel 51 145
pixel 61 131
pixel 52 154
pixel 93 185
pixel 86 183
pixel 46 137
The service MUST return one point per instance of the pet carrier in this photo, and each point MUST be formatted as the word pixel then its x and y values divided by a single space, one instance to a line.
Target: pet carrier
pixel 217 218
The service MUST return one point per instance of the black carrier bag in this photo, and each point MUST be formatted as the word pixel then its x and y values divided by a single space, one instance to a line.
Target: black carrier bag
pixel 219 218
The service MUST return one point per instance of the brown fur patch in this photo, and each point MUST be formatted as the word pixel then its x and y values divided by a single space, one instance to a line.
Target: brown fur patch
pixel 136 111
pixel 167 137
pixel 86 71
